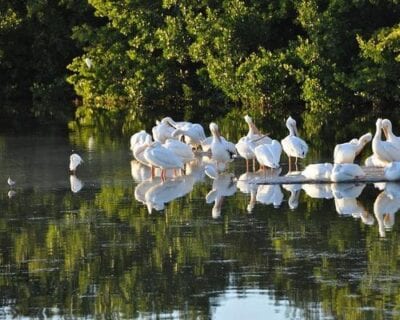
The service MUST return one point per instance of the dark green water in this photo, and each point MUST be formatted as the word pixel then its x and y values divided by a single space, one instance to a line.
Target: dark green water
pixel 209 249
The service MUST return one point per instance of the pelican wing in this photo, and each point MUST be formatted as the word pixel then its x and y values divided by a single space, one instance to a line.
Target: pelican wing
pixel 294 146
pixel 163 158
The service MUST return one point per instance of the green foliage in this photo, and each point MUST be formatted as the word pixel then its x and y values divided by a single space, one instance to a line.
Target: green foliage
pixel 314 59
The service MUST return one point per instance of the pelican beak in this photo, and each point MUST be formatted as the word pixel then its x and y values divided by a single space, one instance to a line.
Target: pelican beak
pixel 295 131
pixel 218 135
pixel 385 132
pixel 255 129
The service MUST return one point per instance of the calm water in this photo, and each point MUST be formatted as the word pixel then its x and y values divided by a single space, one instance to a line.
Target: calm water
pixel 110 242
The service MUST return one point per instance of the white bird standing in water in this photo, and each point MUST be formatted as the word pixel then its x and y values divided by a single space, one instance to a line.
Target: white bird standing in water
pixel 221 151
pixel 269 155
pixel 160 157
pixel 346 152
pixel 292 145
pixel 74 161
pixel 10 182
pixel 245 146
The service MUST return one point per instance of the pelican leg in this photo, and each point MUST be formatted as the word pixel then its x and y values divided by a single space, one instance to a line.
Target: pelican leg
pixel 153 172
pixel 163 172
pixel 254 164
pixel 247 165
pixel 296 165
pixel 290 164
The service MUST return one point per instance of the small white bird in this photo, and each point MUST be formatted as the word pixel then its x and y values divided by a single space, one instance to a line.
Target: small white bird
pixel 346 172
pixel 346 152
pixel 10 182
pixel 74 161
pixel 292 145
pixel 318 171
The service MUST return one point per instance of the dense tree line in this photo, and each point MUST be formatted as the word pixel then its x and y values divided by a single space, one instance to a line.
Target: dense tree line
pixel 333 61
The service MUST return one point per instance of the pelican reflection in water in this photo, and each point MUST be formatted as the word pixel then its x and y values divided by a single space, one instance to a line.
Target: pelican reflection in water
pixel 246 186
pixel 164 192
pixel 76 183
pixel 224 185
pixel 386 205
pixel 345 197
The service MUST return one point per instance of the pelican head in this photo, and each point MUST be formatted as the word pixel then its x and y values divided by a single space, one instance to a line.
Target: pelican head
pixel 291 125
pixel 169 121
pixel 214 129
pixel 386 127
pixel 248 119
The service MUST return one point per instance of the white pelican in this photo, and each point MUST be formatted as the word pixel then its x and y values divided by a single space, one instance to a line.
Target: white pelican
pixel 221 151
pixel 317 190
pixel 162 131
pixel 138 151
pixel 254 133
pixel 388 131
pixel 245 149
pixel 292 144
pixel 392 171
pixel 374 161
pixel 181 149
pixel 224 185
pixel 346 172
pixel 270 194
pixel 269 155
pixel 161 157
pixel 139 138
pixel 318 171
pixel 74 161
pixel 245 146
pixel 384 150
pixel 76 184
pixel 385 209
pixel 346 152
pixel 193 134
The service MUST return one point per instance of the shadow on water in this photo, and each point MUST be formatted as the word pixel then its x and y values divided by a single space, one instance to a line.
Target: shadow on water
pixel 110 241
